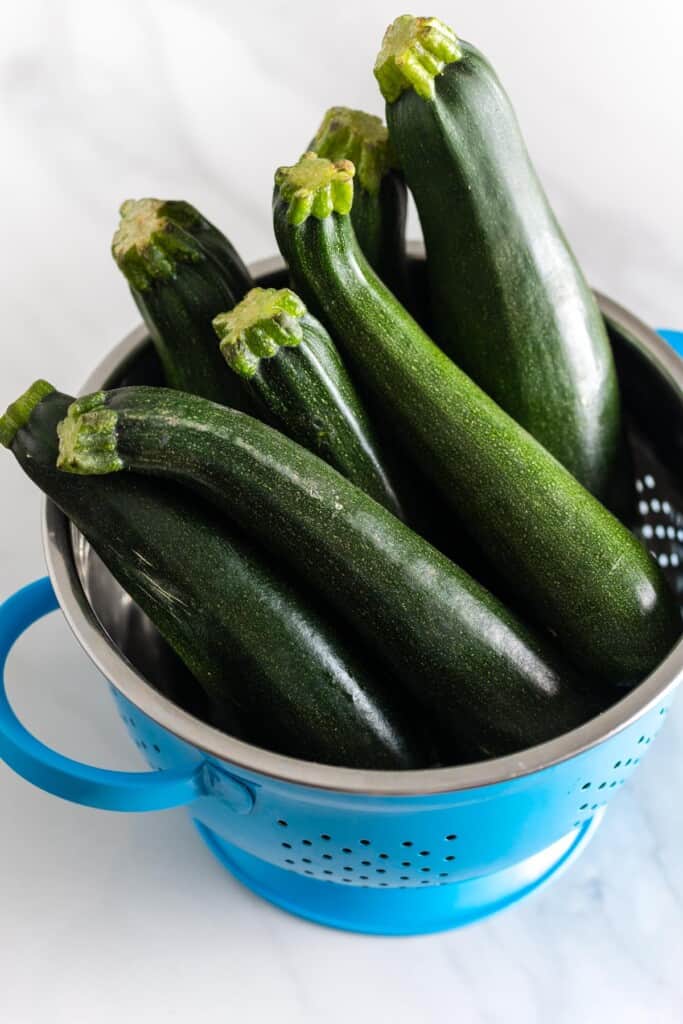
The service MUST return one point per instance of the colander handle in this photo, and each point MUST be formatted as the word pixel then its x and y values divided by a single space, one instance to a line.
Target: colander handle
pixel 675 338
pixel 45 768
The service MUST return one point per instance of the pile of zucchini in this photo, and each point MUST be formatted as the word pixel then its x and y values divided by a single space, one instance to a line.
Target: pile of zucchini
pixel 369 511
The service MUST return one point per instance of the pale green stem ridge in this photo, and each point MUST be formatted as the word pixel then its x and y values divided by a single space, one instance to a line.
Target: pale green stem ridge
pixel 414 51
pixel 88 438
pixel 316 187
pixel 19 412
pixel 265 320
pixel 152 238
pixel 346 134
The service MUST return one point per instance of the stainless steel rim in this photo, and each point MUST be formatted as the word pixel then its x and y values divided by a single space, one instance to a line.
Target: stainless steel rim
pixel 131 684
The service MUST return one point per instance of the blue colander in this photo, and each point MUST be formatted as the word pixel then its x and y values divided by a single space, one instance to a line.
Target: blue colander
pixel 382 852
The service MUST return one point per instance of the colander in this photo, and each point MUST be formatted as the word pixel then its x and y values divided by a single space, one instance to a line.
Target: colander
pixel 382 852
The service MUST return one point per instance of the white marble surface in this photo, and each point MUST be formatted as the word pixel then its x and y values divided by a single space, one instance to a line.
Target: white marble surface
pixel 108 918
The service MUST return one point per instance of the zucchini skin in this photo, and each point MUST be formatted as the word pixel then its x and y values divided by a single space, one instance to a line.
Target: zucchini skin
pixel 213 242
pixel 181 274
pixel 178 314
pixel 572 563
pixel 494 685
pixel 305 391
pixel 380 225
pixel 276 671
pixel 509 302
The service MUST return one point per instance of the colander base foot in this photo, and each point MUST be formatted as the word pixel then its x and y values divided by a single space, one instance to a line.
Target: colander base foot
pixel 394 911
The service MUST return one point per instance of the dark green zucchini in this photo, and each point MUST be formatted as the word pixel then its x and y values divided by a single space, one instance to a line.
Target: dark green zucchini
pixel 276 670
pixel 291 369
pixel 583 574
pixel 379 193
pixel 509 302
pixel 493 684
pixel 182 271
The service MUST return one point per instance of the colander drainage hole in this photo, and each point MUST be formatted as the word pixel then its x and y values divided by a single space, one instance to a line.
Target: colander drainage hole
pixel 380 871
pixel 281 823
pixel 327 856
pixel 287 846
pixel 384 856
pixel 405 863
pixel 366 863
pixel 289 861
pixel 328 872
pixel 325 837
pixel 424 853
pixel 425 869
pixel 365 842
pixel 405 878
pixel 364 878
pixel 406 842
pixel 306 842
pixel 586 785
pixel 345 849
pixel 347 867
pixel 451 856
pixel 449 839
pixel 155 747
pixel 306 860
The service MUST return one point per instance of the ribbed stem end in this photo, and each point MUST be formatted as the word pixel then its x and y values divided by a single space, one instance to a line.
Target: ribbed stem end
pixel 19 412
pixel 88 438
pixel 347 134
pixel 414 51
pixel 265 320
pixel 153 238
pixel 316 187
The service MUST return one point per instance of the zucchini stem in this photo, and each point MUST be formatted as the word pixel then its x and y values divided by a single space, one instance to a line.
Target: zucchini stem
pixel 88 438
pixel 359 137
pixel 315 186
pixel 152 238
pixel 19 412
pixel 414 51
pixel 265 320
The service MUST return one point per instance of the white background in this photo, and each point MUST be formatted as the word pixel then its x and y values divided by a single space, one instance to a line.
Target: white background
pixel 108 918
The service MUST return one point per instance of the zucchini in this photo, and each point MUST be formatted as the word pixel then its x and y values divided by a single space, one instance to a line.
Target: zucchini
pixel 379 193
pixel 509 302
pixel 291 369
pixel 581 572
pixel 492 683
pixel 277 671
pixel 182 272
